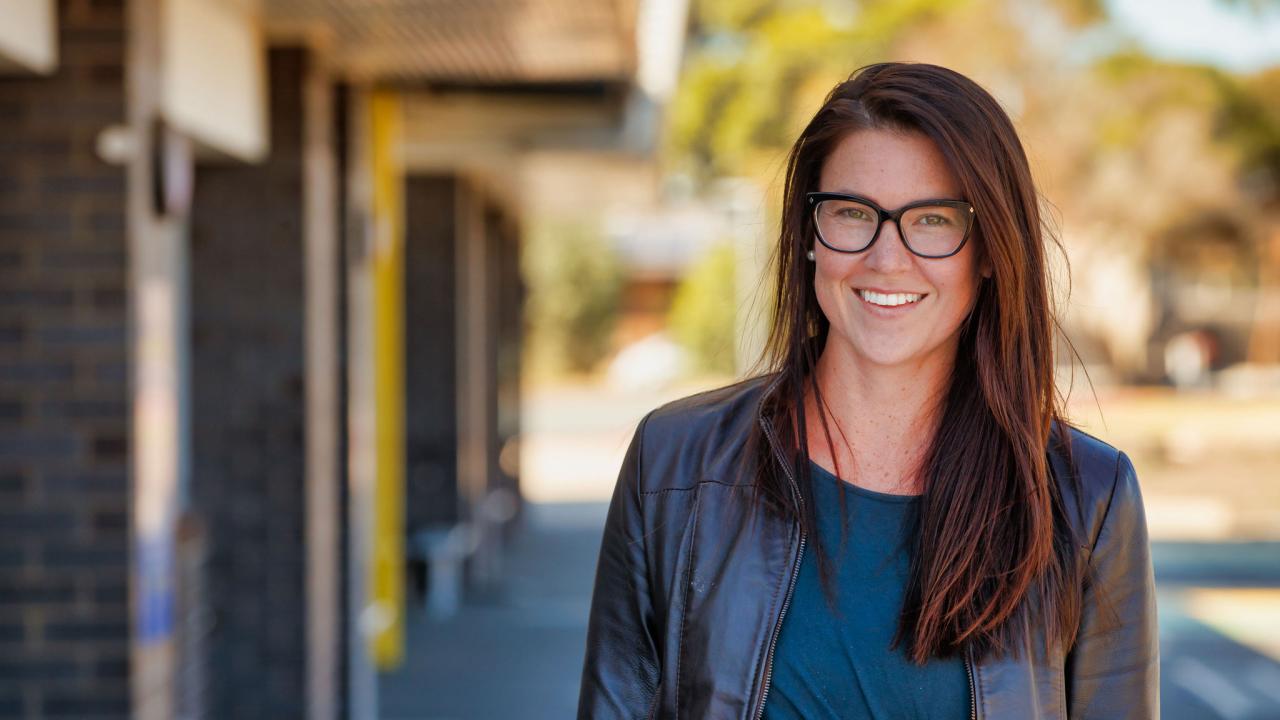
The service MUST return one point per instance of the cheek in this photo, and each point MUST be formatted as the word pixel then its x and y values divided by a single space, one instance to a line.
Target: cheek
pixel 959 279
pixel 962 289
pixel 829 285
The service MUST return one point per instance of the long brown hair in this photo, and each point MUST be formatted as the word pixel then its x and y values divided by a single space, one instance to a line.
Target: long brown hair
pixel 992 540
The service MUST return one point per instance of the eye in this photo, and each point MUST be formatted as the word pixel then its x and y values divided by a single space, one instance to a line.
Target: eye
pixel 852 213
pixel 933 219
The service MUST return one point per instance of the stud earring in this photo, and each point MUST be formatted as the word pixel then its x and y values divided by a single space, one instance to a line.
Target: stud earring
pixel 811 256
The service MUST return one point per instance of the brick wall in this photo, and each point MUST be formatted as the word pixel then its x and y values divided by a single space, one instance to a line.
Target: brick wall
pixel 64 413
pixel 247 413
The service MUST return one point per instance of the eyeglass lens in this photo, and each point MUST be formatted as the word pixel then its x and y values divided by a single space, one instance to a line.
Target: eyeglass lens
pixel 928 230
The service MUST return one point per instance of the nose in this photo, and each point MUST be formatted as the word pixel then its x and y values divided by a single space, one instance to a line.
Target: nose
pixel 889 254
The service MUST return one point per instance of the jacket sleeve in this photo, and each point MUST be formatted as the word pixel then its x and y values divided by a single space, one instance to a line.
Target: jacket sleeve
pixel 620 673
pixel 1113 671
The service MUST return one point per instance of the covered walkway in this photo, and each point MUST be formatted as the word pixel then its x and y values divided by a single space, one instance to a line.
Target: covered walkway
pixel 517 652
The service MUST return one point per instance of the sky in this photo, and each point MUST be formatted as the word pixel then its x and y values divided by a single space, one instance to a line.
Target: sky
pixel 1218 32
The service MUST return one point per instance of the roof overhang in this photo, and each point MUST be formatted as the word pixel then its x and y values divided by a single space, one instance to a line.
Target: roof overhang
pixel 469 43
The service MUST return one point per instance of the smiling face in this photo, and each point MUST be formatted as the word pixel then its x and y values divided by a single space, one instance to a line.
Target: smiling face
pixel 863 294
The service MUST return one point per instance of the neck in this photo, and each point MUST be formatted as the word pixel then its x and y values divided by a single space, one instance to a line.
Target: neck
pixel 882 418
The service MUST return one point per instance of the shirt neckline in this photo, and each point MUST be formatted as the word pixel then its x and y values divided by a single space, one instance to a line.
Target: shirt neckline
pixel 865 492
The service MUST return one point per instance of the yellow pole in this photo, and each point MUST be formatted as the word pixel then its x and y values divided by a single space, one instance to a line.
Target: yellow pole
pixel 386 579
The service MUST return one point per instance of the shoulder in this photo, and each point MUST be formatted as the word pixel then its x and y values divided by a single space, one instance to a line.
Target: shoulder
pixel 708 409
pixel 686 440
pixel 1092 459
pixel 1096 479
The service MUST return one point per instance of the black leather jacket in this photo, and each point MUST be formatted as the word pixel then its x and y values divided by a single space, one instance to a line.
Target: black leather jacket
pixel 693 581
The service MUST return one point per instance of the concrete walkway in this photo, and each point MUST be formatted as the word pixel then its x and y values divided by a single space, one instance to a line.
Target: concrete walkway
pixel 519 653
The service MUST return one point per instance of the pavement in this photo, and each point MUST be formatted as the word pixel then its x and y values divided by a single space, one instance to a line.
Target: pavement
pixel 1219 605
pixel 514 653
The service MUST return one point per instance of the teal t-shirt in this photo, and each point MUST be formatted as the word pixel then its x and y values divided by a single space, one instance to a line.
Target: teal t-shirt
pixel 841 666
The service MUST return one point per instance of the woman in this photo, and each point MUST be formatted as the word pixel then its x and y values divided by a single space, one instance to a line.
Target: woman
pixel 895 522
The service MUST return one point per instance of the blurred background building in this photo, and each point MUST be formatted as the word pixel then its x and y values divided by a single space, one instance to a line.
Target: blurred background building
pixel 324 323
pixel 262 326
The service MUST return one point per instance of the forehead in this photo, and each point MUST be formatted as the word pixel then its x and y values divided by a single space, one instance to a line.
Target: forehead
pixel 891 167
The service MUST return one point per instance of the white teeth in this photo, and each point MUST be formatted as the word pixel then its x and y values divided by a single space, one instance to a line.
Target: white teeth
pixel 889 299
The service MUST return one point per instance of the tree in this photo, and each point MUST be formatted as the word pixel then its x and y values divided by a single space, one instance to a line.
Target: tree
pixel 575 285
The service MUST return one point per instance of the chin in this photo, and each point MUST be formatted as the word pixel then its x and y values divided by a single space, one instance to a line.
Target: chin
pixel 883 352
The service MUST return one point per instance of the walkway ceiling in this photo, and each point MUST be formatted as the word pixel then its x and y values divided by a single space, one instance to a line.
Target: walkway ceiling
pixel 471 42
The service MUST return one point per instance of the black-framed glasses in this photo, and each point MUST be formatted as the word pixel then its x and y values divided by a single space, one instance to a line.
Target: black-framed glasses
pixel 928 228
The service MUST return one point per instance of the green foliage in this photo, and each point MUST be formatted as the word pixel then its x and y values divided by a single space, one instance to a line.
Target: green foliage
pixel 1149 88
pixel 716 15
pixel 702 316
pixel 575 285
pixel 1241 117
pixel 1250 120
pixel 741 95
pixel 1082 13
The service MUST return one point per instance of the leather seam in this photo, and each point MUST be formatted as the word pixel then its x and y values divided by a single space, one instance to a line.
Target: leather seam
pixel 1117 671
pixel 699 484
pixel 773 609
pixel 1106 514
pixel 643 535
pixel 773 605
pixel 647 493
pixel 1093 548
pixel 1062 695
pixel 684 611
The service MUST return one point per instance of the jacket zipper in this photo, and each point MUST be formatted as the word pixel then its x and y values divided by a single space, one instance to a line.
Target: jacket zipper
pixel 973 696
pixel 768 667
pixel 795 572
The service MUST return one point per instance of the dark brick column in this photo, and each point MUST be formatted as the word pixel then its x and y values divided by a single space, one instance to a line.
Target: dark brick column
pixel 248 412
pixel 435 496
pixel 64 405
pixel 431 352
